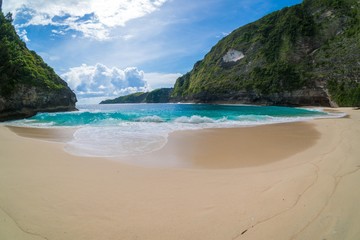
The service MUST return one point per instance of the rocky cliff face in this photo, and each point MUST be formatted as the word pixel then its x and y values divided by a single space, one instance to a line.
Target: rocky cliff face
pixel 307 54
pixel 27 84
pixel 26 101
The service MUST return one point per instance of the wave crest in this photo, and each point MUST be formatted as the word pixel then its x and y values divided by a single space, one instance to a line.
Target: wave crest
pixel 150 119
pixel 195 119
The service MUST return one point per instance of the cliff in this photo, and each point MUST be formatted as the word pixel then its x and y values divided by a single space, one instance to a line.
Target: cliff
pixel 161 95
pixel 27 84
pixel 307 54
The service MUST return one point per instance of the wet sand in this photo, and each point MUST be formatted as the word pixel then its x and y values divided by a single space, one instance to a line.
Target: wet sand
pixel 232 147
pixel 285 181
pixel 47 134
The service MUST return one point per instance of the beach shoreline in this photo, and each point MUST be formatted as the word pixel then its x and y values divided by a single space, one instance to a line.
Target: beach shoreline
pixel 189 148
pixel 305 189
pixel 227 148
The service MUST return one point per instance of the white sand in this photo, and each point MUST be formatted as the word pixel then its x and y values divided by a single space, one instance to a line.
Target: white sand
pixel 311 192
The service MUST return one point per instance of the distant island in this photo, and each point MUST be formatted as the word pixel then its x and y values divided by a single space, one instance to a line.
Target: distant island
pixel 162 95
pixel 27 84
pixel 307 54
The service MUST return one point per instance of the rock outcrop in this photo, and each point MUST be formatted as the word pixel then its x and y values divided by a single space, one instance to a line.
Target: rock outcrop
pixel 27 84
pixel 27 101
pixel 307 54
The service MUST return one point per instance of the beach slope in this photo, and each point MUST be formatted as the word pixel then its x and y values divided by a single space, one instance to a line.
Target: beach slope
pixel 306 192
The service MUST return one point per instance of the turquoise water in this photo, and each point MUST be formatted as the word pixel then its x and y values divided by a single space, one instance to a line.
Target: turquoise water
pixel 133 129
pixel 112 115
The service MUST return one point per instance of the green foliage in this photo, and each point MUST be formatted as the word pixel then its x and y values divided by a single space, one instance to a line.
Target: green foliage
pixel 9 17
pixel 18 65
pixel 275 78
pixel 161 95
pixel 181 85
pixel 303 47
pixel 345 93
pixel 138 97
pixel 289 23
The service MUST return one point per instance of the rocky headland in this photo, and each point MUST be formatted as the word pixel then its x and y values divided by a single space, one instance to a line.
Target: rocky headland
pixel 307 54
pixel 27 84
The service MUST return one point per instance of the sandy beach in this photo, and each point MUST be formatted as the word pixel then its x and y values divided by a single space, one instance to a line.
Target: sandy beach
pixel 283 181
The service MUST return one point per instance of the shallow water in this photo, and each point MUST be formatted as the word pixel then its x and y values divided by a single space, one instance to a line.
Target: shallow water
pixel 133 129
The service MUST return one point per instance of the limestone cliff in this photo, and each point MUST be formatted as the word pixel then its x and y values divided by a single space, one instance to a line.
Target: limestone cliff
pixel 27 84
pixel 307 54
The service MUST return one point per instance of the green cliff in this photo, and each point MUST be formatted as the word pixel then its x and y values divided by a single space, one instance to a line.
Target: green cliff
pixel 27 84
pixel 308 54
pixel 161 95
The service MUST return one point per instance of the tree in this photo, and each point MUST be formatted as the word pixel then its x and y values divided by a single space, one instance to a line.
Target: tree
pixel 9 17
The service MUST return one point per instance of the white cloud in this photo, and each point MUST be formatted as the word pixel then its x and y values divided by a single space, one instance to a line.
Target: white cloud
pixel 101 81
pixel 58 32
pixel 93 18
pixel 127 37
pixel 159 80
pixel 23 35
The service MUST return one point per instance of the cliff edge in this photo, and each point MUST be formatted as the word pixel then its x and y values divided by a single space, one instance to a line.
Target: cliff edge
pixel 307 54
pixel 27 84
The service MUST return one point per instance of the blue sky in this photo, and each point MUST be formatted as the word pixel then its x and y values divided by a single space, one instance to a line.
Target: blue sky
pixel 107 48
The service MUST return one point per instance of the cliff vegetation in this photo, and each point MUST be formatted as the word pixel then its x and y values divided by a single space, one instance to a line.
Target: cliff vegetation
pixel 27 84
pixel 161 95
pixel 307 54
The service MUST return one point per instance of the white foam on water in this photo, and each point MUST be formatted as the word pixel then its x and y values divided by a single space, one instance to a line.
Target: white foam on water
pixel 30 123
pixel 150 119
pixel 137 138
pixel 195 119
pixel 113 137
pixel 114 142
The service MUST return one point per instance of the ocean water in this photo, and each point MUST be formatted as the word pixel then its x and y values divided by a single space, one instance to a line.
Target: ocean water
pixel 119 130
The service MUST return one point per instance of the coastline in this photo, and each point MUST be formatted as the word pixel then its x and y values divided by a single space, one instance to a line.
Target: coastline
pixel 306 193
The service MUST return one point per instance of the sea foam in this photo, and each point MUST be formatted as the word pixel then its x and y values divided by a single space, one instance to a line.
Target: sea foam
pixel 114 142
pixel 128 130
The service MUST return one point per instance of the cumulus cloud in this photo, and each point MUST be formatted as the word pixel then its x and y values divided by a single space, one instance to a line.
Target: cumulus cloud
pixel 23 35
pixel 95 83
pixel 93 18
pixel 102 81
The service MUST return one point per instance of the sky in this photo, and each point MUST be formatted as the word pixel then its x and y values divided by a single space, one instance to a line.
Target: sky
pixel 107 48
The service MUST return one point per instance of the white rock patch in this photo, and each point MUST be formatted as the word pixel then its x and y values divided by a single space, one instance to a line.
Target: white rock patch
pixel 233 56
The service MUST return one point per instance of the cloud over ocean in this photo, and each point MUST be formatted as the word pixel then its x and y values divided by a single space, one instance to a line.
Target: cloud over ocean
pixel 102 81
